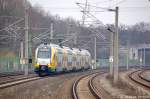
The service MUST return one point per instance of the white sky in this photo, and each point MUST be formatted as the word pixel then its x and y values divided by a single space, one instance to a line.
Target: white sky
pixel 130 11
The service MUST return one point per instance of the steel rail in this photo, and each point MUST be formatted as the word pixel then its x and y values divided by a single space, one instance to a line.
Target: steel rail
pixel 93 89
pixel 90 85
pixel 74 87
pixel 143 78
pixel 18 81
pixel 137 81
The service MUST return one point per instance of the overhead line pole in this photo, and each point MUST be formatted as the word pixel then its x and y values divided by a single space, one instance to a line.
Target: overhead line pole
pixel 26 38
pixel 111 58
pixel 95 52
pixel 84 12
pixel 116 47
pixel 51 32
pixel 127 67
pixel 144 55
pixel 21 54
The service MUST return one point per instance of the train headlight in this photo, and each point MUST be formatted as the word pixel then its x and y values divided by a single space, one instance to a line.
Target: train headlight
pixel 48 65
pixel 37 65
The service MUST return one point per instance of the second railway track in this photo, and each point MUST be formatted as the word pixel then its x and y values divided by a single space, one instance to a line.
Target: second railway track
pixel 137 78
pixel 18 81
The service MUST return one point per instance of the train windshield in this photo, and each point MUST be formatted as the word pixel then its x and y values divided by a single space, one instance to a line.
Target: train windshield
pixel 44 53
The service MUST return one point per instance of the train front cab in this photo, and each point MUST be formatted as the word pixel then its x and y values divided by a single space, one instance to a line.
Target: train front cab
pixel 46 63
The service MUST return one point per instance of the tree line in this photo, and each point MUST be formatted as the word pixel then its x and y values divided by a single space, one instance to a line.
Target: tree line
pixel 64 28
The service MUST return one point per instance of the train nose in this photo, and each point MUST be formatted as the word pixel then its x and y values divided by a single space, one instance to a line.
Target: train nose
pixel 43 67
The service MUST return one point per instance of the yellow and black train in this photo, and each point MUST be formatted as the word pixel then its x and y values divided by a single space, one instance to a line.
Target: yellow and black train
pixel 52 58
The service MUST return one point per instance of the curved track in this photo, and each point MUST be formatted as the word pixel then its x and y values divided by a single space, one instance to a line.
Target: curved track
pixel 141 75
pixel 83 87
pixel 137 77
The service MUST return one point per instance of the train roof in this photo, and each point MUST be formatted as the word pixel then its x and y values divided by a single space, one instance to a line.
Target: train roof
pixel 85 52
pixel 74 50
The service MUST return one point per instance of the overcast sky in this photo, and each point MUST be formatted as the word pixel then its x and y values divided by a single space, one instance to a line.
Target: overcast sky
pixel 130 11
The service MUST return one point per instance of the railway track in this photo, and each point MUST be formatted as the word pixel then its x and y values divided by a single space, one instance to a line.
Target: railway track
pixel 7 74
pixel 137 77
pixel 16 78
pixel 83 87
pixel 10 74
pixel 144 78
pixel 17 81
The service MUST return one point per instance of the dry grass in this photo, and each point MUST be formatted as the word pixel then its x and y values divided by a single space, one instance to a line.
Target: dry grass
pixel 130 91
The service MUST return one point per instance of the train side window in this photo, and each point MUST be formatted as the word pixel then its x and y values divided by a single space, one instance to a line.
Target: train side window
pixel 30 60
